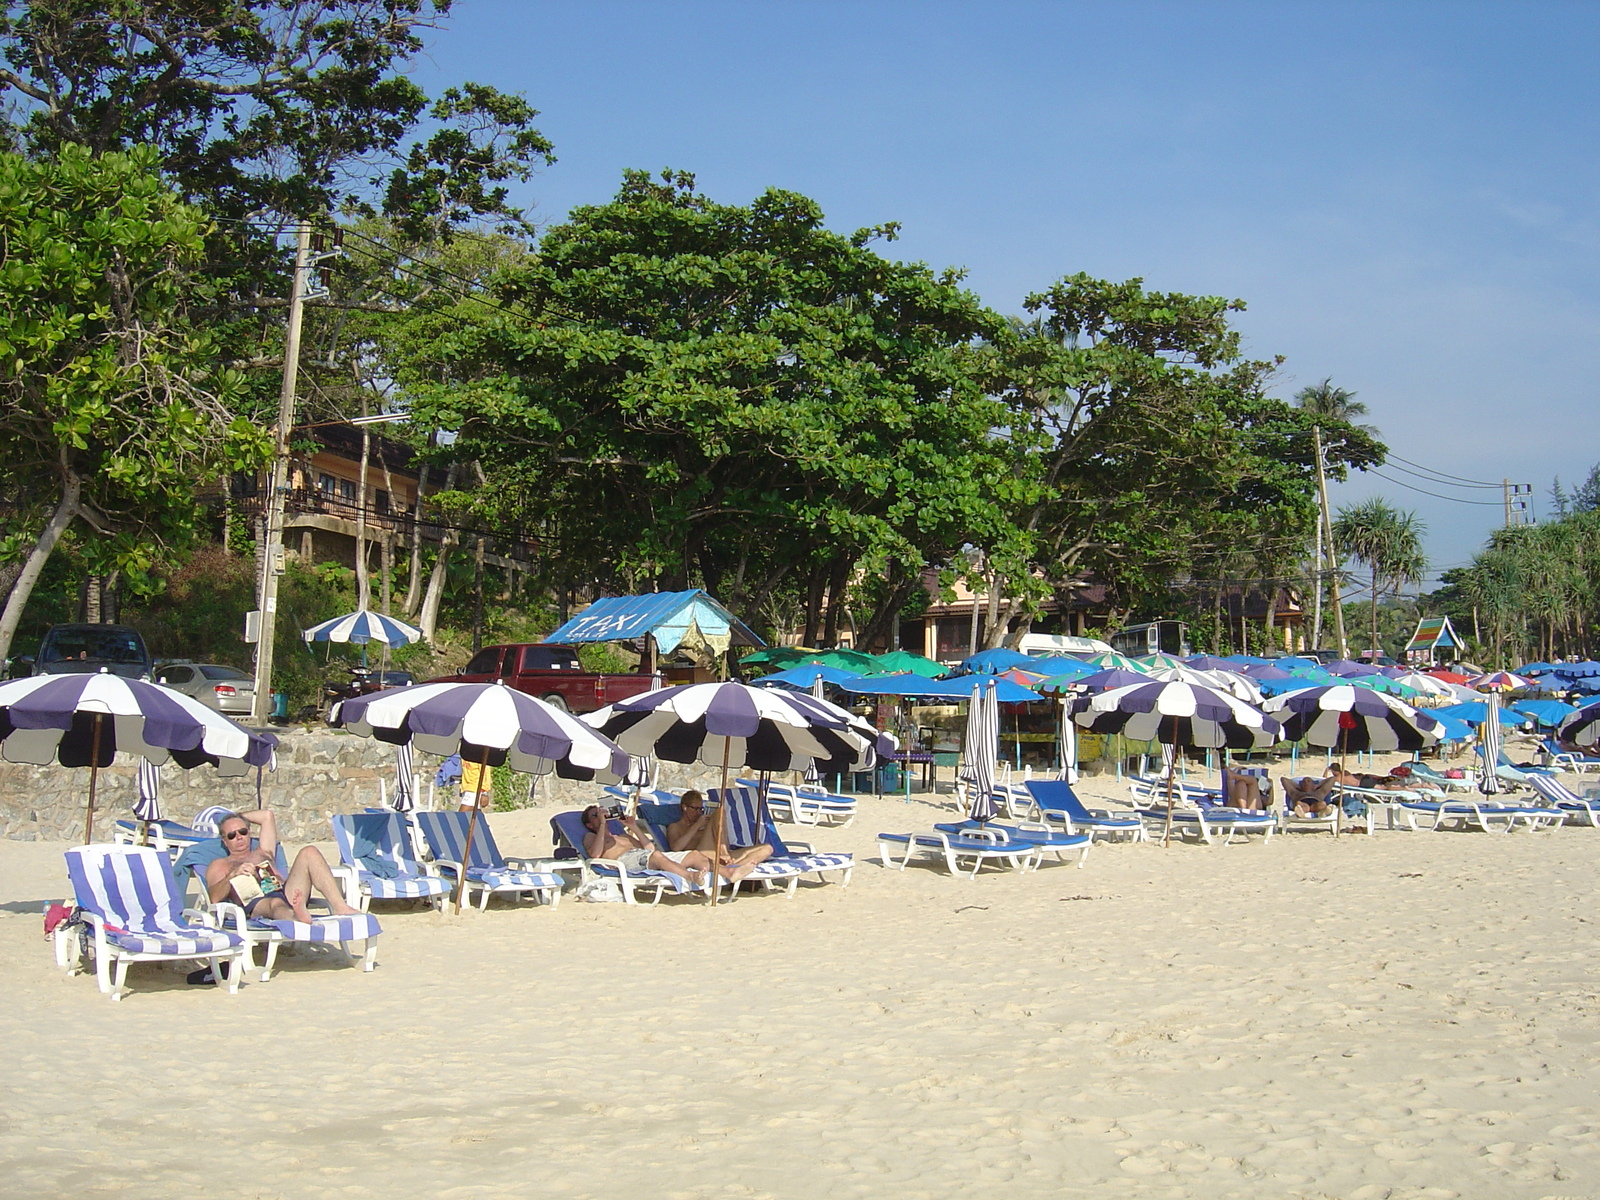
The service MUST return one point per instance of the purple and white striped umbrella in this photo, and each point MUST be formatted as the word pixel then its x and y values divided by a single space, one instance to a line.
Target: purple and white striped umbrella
pixel 83 720
pixel 485 722
pixel 1176 714
pixel 52 718
pixel 364 626
pixel 1344 717
pixel 760 729
pixel 1582 728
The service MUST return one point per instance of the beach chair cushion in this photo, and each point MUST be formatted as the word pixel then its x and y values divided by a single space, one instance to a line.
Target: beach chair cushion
pixel 748 826
pixel 131 892
pixel 376 845
pixel 354 928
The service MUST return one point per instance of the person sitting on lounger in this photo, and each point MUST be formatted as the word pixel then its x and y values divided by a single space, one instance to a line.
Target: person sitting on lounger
pixel 1244 791
pixel 250 879
pixel 1307 796
pixel 636 851
pixel 697 830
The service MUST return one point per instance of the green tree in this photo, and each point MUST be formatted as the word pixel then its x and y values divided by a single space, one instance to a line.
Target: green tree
pixel 1154 456
pixel 678 392
pixel 1388 541
pixel 113 407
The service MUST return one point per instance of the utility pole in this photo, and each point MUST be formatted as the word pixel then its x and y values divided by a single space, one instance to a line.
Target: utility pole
pixel 278 486
pixel 1327 540
pixel 1518 511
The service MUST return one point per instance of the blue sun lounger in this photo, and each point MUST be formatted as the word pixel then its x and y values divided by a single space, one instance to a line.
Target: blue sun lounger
pixel 1054 800
pixel 954 848
pixel 490 872
pixel 1579 810
pixel 1046 839
pixel 806 805
pixel 1567 760
pixel 129 901
pixel 776 873
pixel 747 826
pixel 381 863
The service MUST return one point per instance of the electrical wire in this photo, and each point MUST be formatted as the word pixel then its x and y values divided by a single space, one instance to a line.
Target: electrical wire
pixel 1435 495
pixel 1443 477
pixel 1495 487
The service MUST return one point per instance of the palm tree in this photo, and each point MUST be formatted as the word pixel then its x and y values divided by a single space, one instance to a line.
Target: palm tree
pixel 1388 541
pixel 1334 404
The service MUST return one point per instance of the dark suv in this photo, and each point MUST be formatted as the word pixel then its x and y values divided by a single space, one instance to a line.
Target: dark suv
pixel 79 649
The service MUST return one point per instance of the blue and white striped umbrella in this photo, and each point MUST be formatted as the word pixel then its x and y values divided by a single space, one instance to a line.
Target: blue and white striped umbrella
pixel 148 806
pixel 364 626
pixel 761 729
pixel 1343 717
pixel 405 779
pixel 1489 736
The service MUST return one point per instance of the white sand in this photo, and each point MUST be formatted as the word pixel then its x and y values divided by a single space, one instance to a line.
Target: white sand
pixel 1404 1016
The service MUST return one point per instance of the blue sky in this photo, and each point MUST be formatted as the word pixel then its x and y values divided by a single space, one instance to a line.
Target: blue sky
pixel 1404 194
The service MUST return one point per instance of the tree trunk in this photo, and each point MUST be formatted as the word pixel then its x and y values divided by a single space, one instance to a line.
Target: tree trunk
pixel 414 583
pixel 428 620
pixel 477 597
pixel 814 587
pixel 838 582
pixel 1374 614
pixel 388 569
pixel 363 576
pixel 1271 622
pixel 22 590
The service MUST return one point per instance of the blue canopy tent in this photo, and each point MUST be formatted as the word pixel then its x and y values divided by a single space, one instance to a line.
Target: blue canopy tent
pixel 690 621
pixel 805 676
pixel 1548 713
pixel 995 662
pixel 1473 712
pixel 917 688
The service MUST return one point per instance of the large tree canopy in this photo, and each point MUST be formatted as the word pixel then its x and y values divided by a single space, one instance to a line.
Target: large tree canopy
pixel 688 391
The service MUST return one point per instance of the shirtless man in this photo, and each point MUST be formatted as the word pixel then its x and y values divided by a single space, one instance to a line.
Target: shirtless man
pixel 636 850
pixel 280 899
pixel 1307 796
pixel 696 830
pixel 1245 791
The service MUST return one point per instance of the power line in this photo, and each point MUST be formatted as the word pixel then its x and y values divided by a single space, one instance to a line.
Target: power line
pixel 1436 495
pixel 1446 482
pixel 1444 477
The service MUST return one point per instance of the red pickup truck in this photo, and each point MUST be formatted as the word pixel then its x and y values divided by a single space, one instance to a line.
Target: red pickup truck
pixel 551 673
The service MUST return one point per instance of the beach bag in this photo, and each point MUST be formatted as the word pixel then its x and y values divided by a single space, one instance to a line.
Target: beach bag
pixel 600 891
pixel 1455 773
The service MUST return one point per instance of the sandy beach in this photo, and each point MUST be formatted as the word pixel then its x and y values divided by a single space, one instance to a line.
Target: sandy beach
pixel 1410 1015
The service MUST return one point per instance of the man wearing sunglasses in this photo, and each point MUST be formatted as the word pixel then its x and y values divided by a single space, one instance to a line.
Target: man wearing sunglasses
pixel 695 829
pixel 249 877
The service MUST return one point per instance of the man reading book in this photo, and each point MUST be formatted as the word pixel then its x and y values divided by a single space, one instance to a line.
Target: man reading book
pixel 249 876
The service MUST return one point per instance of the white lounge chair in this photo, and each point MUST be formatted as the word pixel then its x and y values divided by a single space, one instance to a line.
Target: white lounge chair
pixel 129 901
pixel 979 852
pixel 379 861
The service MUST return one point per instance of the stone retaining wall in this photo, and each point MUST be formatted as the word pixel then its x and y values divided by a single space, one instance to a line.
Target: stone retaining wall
pixel 319 773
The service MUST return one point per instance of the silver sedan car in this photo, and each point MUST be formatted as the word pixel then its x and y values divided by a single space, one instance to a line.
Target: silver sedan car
pixel 226 689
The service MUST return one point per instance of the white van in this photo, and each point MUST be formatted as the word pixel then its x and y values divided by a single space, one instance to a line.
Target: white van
pixel 1045 645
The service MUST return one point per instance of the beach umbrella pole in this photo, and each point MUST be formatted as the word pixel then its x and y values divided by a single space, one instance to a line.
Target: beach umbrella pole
pixel 722 819
pixel 472 828
pixel 1166 834
pixel 94 779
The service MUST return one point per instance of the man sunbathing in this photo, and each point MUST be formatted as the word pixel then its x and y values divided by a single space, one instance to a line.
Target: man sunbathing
pixel 1307 796
pixel 696 830
pixel 636 850
pixel 1386 783
pixel 250 878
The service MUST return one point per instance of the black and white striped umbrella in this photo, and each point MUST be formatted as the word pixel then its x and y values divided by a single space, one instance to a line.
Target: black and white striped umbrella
pixel 148 806
pixel 1344 717
pixel 1582 728
pixel 1176 714
pixel 485 723
pixel 732 724
pixel 979 749
pixel 489 724
pixel 405 778
pixel 83 720
pixel 1489 735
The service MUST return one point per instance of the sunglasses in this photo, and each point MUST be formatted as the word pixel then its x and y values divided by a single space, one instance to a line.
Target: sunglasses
pixel 237 833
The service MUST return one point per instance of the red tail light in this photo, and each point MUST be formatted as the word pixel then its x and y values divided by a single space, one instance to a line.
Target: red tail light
pixel 226 689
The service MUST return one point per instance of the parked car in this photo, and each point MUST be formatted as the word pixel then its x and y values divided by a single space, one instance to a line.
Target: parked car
pixel 552 673
pixel 226 689
pixel 86 649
